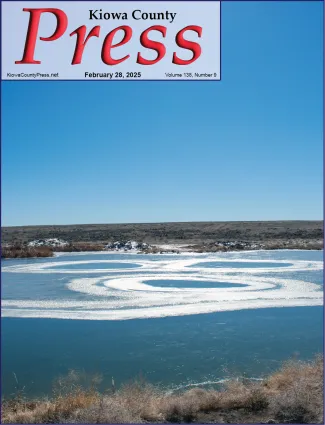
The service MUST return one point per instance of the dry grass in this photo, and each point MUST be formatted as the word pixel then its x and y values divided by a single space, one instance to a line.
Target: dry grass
pixel 19 250
pixel 294 394
pixel 298 392
pixel 24 251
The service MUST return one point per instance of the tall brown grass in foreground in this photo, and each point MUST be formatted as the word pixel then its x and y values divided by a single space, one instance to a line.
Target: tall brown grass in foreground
pixel 294 394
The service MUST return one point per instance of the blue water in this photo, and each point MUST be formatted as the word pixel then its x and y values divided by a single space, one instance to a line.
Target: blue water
pixel 172 351
pixel 90 266
pixel 240 264
pixel 169 351
pixel 192 284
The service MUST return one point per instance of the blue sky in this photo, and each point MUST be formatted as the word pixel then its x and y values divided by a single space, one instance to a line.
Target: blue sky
pixel 247 148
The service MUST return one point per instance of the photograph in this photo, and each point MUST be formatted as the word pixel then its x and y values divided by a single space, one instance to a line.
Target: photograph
pixel 162 205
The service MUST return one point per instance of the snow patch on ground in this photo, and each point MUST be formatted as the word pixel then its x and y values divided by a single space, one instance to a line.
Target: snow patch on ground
pixel 127 246
pixel 54 242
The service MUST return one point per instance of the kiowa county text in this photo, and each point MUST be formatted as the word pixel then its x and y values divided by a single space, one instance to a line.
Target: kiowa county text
pixel 150 41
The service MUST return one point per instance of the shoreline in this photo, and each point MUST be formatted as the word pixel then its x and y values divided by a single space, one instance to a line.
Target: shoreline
pixel 291 394
pixel 47 251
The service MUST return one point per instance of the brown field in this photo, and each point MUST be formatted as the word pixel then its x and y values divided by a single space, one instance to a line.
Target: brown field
pixel 271 232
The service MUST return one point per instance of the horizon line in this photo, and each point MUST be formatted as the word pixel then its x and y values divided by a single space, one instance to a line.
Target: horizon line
pixel 165 222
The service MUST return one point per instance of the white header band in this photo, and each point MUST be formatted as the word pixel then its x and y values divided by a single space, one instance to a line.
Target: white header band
pixel 118 40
